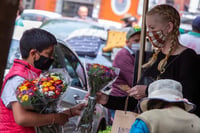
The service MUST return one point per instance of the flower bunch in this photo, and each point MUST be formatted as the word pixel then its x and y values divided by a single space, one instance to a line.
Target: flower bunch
pixel 51 86
pixel 99 78
pixel 47 88
pixel 27 92
pixel 41 95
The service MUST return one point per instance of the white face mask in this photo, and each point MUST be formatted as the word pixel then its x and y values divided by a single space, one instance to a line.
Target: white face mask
pixel 135 46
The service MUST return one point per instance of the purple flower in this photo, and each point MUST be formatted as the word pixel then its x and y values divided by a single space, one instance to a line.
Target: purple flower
pixel 24 92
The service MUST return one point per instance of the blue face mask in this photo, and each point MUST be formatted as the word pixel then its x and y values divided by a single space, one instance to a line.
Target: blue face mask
pixel 135 46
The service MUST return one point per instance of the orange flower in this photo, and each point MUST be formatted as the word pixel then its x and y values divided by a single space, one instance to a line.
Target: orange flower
pixel 51 81
pixel 95 65
pixel 34 81
pixel 52 88
pixel 45 89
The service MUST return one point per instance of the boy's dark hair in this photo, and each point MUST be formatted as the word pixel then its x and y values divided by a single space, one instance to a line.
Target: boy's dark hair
pixel 35 39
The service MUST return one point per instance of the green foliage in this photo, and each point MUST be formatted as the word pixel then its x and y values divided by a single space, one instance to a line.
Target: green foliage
pixel 108 130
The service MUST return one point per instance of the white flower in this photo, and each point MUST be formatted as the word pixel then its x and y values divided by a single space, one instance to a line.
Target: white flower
pixel 50 93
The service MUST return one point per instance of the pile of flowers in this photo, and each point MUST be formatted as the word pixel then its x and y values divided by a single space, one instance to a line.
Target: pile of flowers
pixel 99 78
pixel 41 94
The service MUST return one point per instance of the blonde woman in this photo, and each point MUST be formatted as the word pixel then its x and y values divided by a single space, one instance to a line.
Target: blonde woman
pixel 171 60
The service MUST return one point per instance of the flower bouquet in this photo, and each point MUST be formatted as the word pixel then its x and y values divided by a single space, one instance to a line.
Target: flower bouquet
pixel 41 95
pixel 99 78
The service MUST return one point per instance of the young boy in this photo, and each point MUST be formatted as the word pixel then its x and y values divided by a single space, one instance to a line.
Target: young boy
pixel 36 48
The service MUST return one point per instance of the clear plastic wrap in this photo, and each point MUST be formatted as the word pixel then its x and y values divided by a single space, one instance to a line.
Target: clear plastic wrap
pixel 99 78
pixel 42 95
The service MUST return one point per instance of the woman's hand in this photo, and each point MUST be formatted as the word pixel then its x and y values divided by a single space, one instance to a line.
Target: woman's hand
pixel 102 98
pixel 137 91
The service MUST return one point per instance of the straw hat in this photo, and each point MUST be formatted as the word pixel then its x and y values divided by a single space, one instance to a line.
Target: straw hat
pixel 166 90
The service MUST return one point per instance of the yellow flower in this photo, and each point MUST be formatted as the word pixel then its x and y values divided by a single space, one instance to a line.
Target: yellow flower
pixel 23 88
pixel 25 98
pixel 55 78
pixel 46 84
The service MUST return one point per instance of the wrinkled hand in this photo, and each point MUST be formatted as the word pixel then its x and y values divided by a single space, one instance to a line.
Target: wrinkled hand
pixel 102 98
pixel 137 91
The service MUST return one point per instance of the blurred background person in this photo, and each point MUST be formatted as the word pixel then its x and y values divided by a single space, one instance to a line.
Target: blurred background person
pixel 192 38
pixel 125 61
pixel 83 13
pixel 129 20
pixel 19 20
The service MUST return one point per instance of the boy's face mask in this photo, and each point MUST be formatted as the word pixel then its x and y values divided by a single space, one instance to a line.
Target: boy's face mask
pixel 43 63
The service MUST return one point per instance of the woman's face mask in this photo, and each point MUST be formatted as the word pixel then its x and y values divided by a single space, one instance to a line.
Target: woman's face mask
pixel 157 38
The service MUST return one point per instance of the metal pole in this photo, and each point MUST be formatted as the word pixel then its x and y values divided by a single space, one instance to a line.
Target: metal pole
pixel 142 38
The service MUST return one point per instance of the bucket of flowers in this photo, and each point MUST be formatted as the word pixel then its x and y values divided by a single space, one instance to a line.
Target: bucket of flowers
pixel 42 95
pixel 99 78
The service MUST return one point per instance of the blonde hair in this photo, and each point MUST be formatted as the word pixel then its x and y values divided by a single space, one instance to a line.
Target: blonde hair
pixel 168 14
